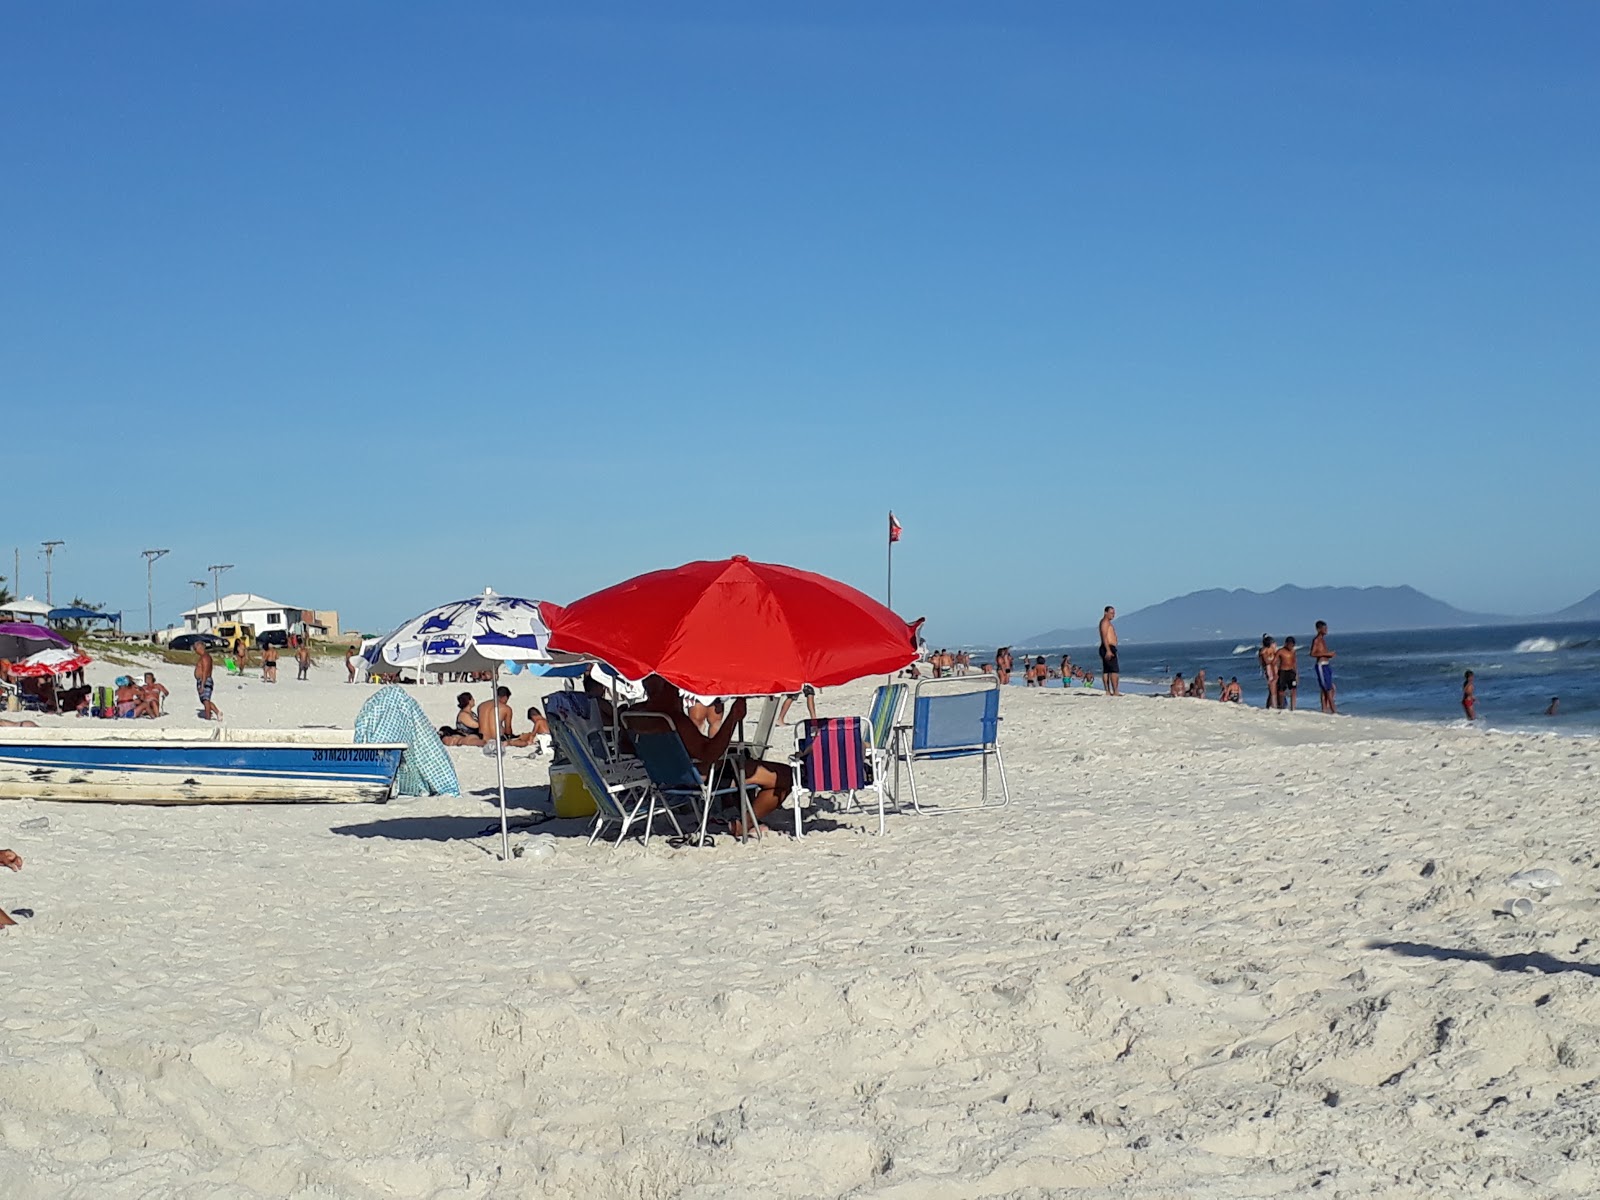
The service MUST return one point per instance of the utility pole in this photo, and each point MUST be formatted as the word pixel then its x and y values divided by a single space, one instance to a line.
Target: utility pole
pixel 199 586
pixel 216 570
pixel 49 551
pixel 150 557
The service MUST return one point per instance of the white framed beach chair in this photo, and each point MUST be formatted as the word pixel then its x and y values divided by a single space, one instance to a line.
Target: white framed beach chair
pixel 883 723
pixel 953 717
pixel 832 758
pixel 618 801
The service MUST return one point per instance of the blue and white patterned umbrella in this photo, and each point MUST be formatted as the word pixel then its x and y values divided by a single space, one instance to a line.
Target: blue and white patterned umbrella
pixel 478 634
pixel 484 633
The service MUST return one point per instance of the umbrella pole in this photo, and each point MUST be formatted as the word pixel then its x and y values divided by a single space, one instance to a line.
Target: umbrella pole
pixel 500 766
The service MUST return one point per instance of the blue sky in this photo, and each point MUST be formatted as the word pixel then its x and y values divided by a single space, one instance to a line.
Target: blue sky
pixel 386 302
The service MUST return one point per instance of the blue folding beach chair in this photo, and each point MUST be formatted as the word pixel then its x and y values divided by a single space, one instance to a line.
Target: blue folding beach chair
pixel 955 717
pixel 674 775
pixel 617 801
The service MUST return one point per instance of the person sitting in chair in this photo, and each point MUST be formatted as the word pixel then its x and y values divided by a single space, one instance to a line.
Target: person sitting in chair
pixel 772 781
pixel 151 696
pixel 127 697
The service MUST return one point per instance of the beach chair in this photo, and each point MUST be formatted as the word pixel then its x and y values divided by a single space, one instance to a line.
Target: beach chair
pixel 758 742
pixel 883 720
pixel 618 801
pixel 832 759
pixel 952 718
pixel 675 776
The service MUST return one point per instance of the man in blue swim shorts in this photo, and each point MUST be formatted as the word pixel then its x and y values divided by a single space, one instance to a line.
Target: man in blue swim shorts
pixel 1323 657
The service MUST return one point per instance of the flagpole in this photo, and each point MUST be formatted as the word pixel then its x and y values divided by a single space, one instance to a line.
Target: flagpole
pixel 888 590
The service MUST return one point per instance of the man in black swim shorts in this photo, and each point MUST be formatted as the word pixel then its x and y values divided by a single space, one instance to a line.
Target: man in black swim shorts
pixel 1109 667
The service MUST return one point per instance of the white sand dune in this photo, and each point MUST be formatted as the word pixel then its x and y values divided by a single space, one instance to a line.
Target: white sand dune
pixel 1209 952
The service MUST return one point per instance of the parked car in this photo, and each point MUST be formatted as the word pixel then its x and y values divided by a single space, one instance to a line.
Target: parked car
pixel 272 637
pixel 188 641
pixel 233 631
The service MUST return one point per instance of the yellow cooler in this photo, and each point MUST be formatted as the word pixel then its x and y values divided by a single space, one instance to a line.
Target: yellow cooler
pixel 569 795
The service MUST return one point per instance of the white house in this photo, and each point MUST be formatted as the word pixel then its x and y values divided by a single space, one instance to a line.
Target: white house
pixel 253 610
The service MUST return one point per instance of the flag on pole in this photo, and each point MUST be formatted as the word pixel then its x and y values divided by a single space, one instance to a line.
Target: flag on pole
pixel 894 528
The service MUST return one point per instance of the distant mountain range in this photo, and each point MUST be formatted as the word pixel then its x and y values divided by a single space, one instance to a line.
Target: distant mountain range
pixel 1217 613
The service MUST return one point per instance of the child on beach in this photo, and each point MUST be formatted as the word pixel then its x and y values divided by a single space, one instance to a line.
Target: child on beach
pixel 1469 698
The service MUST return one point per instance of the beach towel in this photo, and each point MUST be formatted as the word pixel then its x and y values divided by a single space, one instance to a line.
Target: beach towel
pixel 390 715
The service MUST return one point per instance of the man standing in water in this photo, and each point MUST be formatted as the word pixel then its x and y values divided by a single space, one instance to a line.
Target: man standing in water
pixel 1322 657
pixel 1110 668
pixel 203 685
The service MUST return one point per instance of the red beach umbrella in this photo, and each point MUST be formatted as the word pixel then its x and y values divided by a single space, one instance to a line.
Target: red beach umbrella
pixel 735 628
pixel 54 661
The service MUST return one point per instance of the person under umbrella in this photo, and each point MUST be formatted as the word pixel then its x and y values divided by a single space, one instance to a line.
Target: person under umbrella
pixel 772 781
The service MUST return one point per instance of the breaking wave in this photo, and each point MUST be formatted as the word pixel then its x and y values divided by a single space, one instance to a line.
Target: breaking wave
pixel 1243 648
pixel 1545 645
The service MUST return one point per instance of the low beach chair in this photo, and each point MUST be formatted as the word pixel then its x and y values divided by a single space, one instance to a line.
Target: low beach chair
pixel 831 759
pixel 883 722
pixel 953 718
pixel 618 801
pixel 675 776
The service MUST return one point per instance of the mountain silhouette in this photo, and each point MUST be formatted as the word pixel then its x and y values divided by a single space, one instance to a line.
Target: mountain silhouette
pixel 1219 613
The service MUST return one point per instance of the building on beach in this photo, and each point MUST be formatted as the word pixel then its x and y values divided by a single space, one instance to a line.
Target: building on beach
pixel 262 614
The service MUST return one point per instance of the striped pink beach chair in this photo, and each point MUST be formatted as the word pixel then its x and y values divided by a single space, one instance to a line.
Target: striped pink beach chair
pixel 832 761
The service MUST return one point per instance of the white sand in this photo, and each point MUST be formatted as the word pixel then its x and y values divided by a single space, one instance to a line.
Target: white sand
pixel 1159 974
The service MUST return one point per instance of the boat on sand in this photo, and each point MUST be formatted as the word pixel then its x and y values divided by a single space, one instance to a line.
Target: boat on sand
pixel 123 765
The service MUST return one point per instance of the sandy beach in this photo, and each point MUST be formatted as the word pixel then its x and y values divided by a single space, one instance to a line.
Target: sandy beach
pixel 1208 952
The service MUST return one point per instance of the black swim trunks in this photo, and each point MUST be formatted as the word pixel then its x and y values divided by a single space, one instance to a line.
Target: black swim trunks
pixel 1286 681
pixel 1108 660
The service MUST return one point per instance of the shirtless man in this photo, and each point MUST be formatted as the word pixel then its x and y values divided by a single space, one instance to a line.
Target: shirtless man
pixel 1322 658
pixel 350 664
pixel 13 860
pixel 1197 689
pixel 499 706
pixel 1232 693
pixel 1109 667
pixel 1288 681
pixel 204 667
pixel 772 781
pixel 1267 656
pixel 303 657
pixel 269 663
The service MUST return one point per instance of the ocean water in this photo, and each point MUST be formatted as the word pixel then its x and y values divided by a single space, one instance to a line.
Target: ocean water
pixel 1415 675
